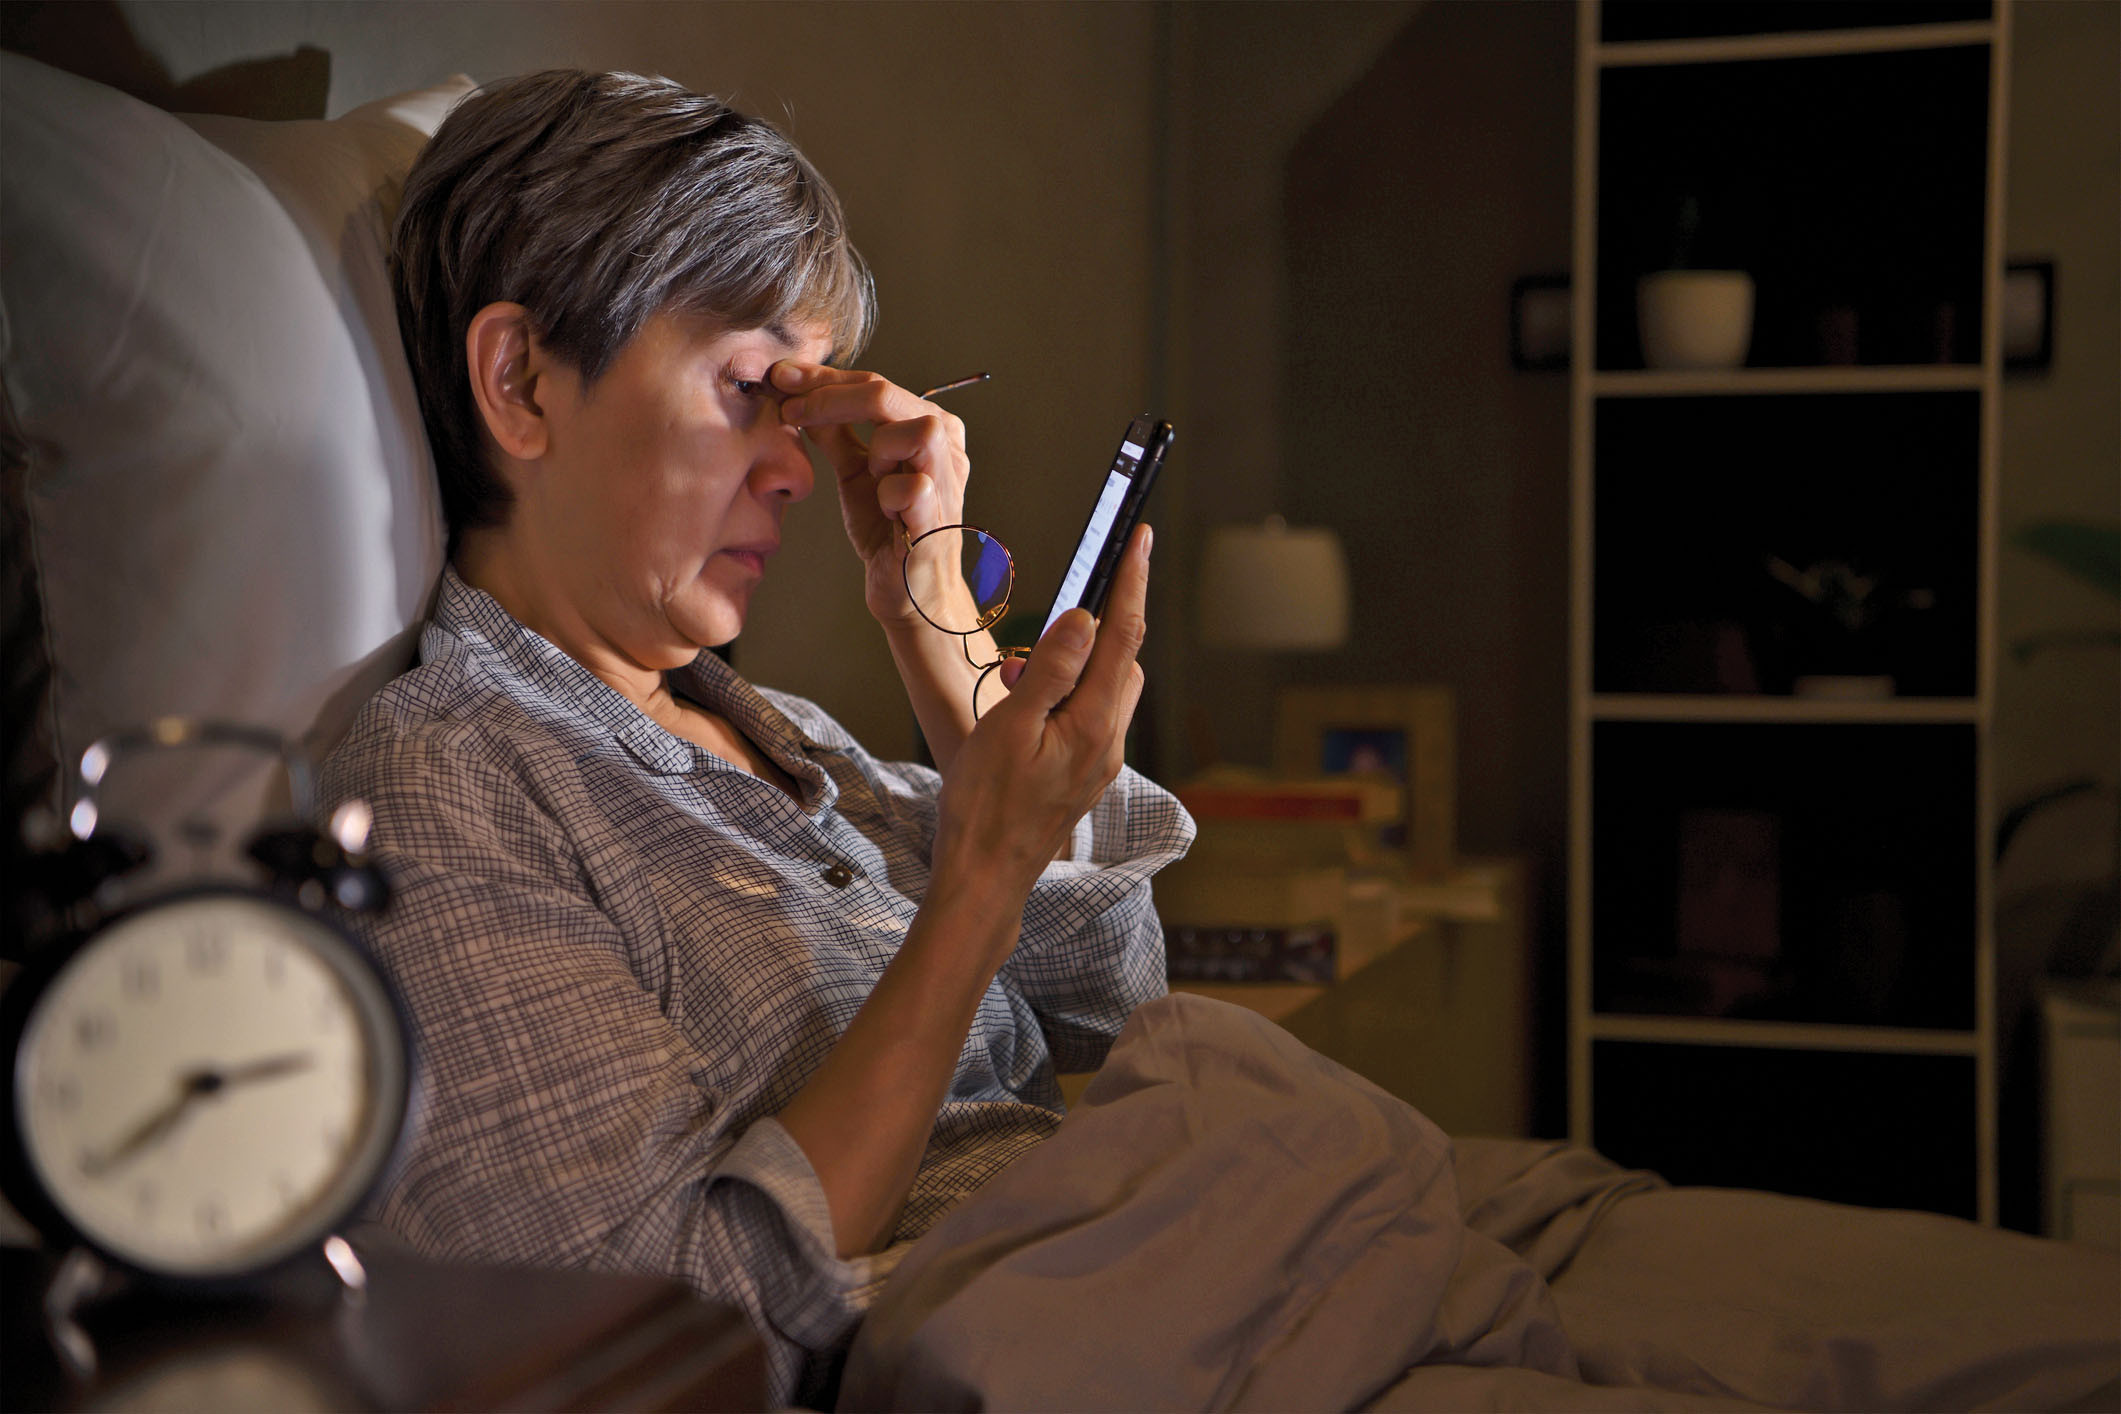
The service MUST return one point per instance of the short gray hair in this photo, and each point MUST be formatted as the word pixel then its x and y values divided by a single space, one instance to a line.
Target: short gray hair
pixel 596 201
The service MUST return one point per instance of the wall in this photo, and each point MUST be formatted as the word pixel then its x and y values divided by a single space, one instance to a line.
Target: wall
pixel 2058 712
pixel 1247 79
pixel 1413 203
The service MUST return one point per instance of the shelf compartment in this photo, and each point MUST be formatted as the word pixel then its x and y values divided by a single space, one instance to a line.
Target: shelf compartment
pixel 1806 874
pixel 1848 269
pixel 1872 1128
pixel 1696 496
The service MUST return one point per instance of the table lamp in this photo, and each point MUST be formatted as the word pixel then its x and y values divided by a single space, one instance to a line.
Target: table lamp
pixel 1273 588
pixel 1268 588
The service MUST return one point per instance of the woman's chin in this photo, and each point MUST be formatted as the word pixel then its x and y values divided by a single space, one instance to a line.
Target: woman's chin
pixel 708 627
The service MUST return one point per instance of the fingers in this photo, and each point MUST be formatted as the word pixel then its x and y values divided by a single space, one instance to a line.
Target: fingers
pixel 818 396
pixel 1110 682
pixel 914 461
pixel 1055 666
pixel 920 471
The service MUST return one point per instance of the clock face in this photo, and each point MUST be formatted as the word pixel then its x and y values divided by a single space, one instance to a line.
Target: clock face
pixel 210 1083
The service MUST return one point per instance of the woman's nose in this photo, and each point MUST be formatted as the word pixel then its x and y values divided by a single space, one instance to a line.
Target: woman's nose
pixel 783 468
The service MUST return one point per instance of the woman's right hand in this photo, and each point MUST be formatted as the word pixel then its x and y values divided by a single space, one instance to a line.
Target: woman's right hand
pixel 1011 797
pixel 1040 758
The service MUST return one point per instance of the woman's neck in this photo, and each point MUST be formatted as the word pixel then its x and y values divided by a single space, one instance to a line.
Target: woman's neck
pixel 536 596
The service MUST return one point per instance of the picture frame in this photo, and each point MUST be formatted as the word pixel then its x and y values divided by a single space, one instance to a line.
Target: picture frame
pixel 1408 732
pixel 1540 320
pixel 2028 316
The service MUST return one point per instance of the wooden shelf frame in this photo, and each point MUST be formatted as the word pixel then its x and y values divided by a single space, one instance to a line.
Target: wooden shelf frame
pixel 1781 1035
pixel 1738 707
pixel 1589 385
pixel 1782 382
pixel 1791 44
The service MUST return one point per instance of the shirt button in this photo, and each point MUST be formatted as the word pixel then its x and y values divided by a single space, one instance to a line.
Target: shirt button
pixel 838 875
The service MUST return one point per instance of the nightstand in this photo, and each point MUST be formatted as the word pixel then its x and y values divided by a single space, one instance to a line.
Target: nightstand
pixel 2080 1036
pixel 429 1335
pixel 1438 1013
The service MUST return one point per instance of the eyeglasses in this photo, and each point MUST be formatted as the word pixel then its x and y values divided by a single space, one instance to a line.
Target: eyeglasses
pixel 958 578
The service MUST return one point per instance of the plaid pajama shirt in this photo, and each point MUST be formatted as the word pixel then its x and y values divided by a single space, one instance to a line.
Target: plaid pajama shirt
pixel 624 956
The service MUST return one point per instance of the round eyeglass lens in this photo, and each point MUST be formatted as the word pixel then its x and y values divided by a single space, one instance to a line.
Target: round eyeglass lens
pixel 959 578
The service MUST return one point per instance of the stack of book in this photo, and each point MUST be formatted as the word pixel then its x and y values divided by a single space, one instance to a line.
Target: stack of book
pixel 1263 896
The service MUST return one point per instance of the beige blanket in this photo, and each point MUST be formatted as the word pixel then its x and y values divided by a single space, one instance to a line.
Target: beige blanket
pixel 1229 1221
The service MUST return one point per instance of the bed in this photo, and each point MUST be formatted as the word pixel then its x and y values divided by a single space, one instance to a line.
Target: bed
pixel 217 479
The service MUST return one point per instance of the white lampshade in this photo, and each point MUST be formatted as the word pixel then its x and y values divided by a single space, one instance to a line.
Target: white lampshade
pixel 1271 587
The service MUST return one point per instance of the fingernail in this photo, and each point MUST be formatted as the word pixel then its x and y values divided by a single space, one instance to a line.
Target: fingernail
pixel 1148 538
pixel 786 375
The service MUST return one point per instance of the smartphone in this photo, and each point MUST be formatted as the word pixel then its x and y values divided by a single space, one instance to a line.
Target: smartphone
pixel 1112 519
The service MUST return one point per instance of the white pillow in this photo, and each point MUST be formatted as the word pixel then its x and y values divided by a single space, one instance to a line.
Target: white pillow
pixel 229 494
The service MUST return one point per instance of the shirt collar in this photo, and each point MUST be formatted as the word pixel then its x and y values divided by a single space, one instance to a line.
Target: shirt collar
pixel 477 619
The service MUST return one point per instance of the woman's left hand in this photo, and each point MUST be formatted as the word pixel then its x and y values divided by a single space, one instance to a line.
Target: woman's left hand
pixel 911 472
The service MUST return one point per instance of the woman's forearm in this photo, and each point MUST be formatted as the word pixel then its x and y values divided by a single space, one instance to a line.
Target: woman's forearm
pixel 940 681
pixel 864 1118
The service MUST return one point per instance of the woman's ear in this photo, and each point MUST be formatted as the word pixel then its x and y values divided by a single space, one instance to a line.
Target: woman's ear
pixel 505 365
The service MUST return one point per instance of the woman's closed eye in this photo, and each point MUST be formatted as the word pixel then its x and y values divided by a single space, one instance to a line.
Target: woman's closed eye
pixel 753 396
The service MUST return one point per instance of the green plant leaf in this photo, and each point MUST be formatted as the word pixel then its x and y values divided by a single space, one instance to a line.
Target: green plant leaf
pixel 2089 550
pixel 2015 820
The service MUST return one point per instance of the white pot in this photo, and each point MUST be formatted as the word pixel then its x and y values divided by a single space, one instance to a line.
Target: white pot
pixel 1695 318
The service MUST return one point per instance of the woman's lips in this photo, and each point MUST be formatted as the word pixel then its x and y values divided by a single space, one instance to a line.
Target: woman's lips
pixel 752 557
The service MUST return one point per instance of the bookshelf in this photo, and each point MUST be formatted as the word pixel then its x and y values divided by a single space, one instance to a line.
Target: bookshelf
pixel 1780 948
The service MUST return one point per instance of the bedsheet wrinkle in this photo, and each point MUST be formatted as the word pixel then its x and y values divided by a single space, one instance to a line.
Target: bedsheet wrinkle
pixel 1227 1220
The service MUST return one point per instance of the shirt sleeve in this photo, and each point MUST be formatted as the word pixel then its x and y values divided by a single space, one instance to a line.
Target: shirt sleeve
pixel 565 1120
pixel 1092 948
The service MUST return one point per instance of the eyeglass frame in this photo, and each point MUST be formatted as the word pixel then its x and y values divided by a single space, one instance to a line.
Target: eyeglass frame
pixel 987 619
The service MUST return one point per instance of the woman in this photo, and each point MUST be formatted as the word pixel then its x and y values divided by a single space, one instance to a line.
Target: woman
pixel 704 988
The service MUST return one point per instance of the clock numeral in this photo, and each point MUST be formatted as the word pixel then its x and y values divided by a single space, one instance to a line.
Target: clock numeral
pixel 206 952
pixel 210 1216
pixel 94 1030
pixel 141 979
pixel 62 1092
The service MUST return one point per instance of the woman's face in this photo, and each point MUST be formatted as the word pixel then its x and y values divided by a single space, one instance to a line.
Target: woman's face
pixel 665 481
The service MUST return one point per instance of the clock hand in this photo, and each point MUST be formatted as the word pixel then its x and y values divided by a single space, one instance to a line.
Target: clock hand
pixel 271 1068
pixel 192 1088
pixel 189 1089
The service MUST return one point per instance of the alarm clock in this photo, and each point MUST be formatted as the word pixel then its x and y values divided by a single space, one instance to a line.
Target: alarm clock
pixel 208 1082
